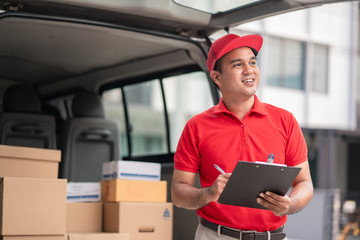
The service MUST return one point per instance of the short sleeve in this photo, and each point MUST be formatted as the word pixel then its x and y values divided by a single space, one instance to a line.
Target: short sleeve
pixel 187 154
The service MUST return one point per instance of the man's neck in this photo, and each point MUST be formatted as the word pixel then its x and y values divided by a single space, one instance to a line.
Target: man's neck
pixel 239 106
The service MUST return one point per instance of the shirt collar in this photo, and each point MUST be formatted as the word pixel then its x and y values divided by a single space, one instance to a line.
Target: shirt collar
pixel 258 107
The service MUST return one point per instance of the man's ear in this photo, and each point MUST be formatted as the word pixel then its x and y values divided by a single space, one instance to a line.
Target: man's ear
pixel 215 75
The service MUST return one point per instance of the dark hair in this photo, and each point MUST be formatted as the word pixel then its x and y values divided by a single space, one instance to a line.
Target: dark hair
pixel 218 65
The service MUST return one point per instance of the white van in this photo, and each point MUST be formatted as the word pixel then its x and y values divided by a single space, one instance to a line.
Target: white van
pixel 144 60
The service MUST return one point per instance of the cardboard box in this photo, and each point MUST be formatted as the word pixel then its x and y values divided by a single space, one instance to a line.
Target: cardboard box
pixel 54 237
pixel 132 170
pixel 32 206
pixel 117 190
pixel 150 221
pixel 84 217
pixel 29 162
pixel 83 192
pixel 99 236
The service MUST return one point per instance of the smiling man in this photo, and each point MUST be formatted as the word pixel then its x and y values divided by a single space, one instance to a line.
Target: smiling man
pixel 242 128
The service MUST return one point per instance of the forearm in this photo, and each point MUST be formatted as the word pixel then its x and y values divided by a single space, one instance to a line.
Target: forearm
pixel 189 197
pixel 300 196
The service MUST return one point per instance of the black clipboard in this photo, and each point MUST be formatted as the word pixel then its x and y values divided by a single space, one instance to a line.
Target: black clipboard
pixel 249 179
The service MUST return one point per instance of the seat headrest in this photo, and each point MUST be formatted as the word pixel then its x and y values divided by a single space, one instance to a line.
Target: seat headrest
pixel 21 98
pixel 87 104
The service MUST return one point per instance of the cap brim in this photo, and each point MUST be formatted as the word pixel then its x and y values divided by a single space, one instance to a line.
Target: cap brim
pixel 251 41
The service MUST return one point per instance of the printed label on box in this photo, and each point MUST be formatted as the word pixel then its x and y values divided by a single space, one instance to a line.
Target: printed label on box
pixel 83 192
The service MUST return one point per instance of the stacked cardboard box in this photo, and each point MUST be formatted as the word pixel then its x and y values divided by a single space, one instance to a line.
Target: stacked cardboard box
pixel 85 220
pixel 83 192
pixel 54 237
pixel 32 199
pixel 85 213
pixel 73 236
pixel 84 209
pixel 131 170
pixel 84 217
pixel 29 162
pixel 121 190
pixel 99 236
pixel 137 205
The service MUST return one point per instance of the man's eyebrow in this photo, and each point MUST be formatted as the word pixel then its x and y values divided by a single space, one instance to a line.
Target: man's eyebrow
pixel 240 59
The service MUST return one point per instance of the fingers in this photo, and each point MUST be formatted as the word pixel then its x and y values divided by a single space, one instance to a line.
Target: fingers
pixel 220 182
pixel 217 188
pixel 226 175
pixel 278 204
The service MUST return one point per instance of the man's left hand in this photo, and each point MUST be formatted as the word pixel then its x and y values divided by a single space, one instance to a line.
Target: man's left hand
pixel 279 205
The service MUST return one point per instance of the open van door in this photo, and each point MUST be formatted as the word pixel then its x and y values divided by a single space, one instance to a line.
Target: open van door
pixel 184 17
pixel 63 28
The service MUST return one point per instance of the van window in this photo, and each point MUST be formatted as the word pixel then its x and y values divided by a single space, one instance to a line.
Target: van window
pixel 146 117
pixel 157 111
pixel 186 95
pixel 114 109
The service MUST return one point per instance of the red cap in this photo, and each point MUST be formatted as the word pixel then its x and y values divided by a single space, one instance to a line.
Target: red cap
pixel 230 42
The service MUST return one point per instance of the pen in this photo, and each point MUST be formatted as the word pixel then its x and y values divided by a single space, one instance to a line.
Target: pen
pixel 219 169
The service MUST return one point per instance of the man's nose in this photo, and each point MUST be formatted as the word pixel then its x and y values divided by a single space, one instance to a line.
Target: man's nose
pixel 247 69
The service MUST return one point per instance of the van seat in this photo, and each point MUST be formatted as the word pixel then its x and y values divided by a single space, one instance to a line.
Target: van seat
pixel 22 123
pixel 87 140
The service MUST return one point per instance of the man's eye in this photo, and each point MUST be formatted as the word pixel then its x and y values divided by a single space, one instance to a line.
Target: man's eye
pixel 253 63
pixel 238 65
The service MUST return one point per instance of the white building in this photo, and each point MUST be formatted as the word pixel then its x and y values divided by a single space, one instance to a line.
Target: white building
pixel 309 63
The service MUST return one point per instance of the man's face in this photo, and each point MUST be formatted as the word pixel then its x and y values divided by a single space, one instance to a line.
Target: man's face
pixel 239 75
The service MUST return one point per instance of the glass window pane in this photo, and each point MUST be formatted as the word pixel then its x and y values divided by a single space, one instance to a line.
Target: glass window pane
pixel 286 63
pixel 114 109
pixel 274 62
pixel 319 81
pixel 186 95
pixel 146 116
pixel 294 64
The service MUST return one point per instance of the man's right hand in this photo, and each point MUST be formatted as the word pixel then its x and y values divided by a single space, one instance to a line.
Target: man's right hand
pixel 185 195
pixel 218 186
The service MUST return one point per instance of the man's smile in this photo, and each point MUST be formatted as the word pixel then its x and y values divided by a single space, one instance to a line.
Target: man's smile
pixel 248 80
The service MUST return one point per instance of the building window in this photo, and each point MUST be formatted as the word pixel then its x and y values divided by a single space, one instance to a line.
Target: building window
pixel 286 63
pixel 319 82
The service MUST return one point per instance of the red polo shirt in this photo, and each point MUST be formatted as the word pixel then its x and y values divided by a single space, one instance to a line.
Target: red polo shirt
pixel 217 136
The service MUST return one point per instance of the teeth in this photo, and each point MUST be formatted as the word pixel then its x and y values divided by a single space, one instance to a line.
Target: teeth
pixel 249 80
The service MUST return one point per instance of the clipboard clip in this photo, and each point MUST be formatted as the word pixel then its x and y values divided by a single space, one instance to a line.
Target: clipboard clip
pixel 271 158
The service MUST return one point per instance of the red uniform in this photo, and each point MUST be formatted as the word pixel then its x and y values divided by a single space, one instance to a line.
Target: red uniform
pixel 217 136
